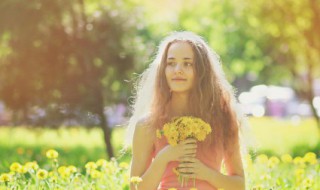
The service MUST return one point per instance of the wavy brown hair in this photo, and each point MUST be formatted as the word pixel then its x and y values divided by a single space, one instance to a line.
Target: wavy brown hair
pixel 211 98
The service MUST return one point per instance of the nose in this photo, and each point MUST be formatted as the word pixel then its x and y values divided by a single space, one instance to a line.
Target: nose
pixel 178 68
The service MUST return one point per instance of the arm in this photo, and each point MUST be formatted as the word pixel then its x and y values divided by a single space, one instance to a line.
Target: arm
pixel 141 152
pixel 234 180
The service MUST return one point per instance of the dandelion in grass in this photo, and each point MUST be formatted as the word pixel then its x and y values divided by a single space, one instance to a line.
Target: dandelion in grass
pixel 5 177
pixel 273 161
pixel 91 166
pixel 95 174
pixel 124 165
pixel 53 179
pixel 307 183
pixel 310 158
pixel 23 169
pixel 72 169
pixel 31 166
pixel 52 154
pixel 298 161
pixel 15 167
pixel 66 173
pixel 286 158
pixel 102 163
pixel 135 180
pixel 42 174
pixel 262 159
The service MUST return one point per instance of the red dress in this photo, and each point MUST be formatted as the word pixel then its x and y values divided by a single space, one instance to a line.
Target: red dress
pixel 170 179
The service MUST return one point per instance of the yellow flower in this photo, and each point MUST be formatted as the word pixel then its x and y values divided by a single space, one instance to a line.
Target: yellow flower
pixel 5 177
pixel 102 163
pixel 31 165
pixel 61 169
pixel 135 179
pixel 181 128
pixel 286 158
pixel 95 174
pixel 66 173
pixel 299 161
pixel 91 166
pixel 310 158
pixel 53 179
pixel 23 170
pixel 124 165
pixel 307 183
pixel 193 188
pixel 72 169
pixel 172 188
pixel 42 174
pixel 52 154
pixel 273 161
pixel 299 172
pixel 15 167
pixel 262 159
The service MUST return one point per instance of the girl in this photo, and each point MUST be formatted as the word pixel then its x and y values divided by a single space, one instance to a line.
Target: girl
pixel 185 79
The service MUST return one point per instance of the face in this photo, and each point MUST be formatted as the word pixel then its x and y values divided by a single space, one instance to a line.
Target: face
pixel 179 68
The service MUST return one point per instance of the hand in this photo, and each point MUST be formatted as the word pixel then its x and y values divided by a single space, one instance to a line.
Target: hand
pixel 186 148
pixel 193 168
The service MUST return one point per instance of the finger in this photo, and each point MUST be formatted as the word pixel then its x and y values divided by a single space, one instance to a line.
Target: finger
pixel 189 141
pixel 188 175
pixel 188 159
pixel 190 146
pixel 185 165
pixel 189 152
pixel 186 170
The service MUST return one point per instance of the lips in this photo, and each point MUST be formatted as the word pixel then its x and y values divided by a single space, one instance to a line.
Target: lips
pixel 179 79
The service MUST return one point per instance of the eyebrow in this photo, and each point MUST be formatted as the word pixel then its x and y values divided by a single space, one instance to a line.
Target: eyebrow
pixel 186 58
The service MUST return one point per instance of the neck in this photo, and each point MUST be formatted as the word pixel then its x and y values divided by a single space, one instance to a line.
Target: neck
pixel 179 104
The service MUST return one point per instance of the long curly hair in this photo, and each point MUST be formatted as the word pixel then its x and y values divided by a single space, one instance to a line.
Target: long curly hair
pixel 211 98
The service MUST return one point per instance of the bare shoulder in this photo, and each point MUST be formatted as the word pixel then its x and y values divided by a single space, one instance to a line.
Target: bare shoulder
pixel 144 130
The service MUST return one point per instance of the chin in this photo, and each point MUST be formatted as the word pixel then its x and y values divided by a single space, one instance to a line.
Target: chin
pixel 180 90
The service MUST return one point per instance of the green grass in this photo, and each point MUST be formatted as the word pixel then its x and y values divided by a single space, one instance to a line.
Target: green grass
pixel 275 136
pixel 78 145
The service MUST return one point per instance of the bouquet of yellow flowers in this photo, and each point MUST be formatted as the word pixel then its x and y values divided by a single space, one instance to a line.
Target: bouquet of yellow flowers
pixel 181 128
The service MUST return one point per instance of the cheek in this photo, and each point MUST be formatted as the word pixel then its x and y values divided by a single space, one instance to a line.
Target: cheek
pixel 191 75
pixel 167 73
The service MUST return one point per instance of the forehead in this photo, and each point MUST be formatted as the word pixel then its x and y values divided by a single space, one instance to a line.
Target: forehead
pixel 180 49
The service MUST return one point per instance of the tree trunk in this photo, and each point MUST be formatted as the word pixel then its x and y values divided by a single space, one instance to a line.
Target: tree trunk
pixel 104 125
pixel 310 96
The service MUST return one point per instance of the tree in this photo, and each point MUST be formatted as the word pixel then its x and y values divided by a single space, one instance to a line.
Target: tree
pixel 277 40
pixel 289 34
pixel 66 57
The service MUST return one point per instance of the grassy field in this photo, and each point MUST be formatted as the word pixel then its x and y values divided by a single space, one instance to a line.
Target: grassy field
pixel 77 146
pixel 276 136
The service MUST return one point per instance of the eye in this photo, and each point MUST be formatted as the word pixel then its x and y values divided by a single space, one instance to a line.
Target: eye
pixel 188 64
pixel 171 63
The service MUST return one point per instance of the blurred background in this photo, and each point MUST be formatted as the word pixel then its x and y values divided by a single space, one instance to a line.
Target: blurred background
pixel 67 70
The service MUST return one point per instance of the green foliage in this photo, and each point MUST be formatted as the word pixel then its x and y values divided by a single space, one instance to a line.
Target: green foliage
pixel 71 56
